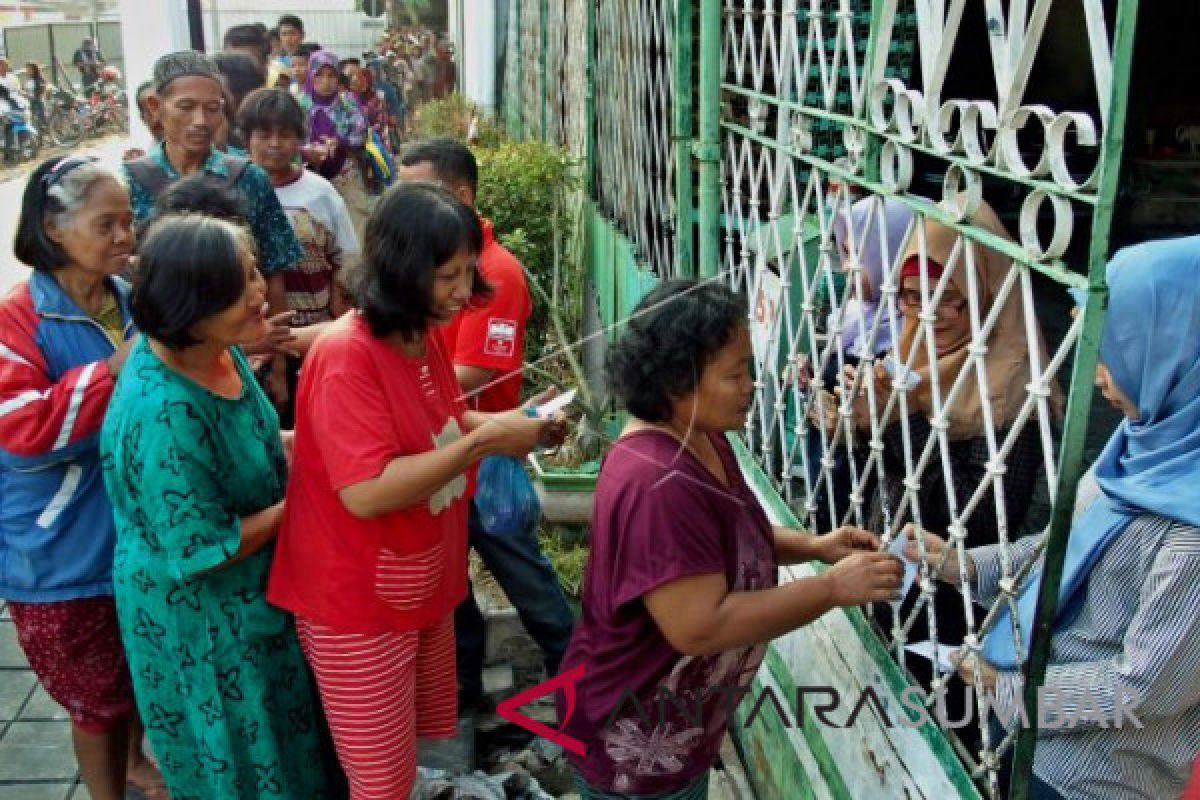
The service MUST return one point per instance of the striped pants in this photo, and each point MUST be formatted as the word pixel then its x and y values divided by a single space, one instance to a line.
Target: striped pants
pixel 380 693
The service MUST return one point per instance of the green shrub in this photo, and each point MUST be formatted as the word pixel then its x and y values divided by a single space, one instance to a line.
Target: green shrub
pixel 451 116
pixel 528 191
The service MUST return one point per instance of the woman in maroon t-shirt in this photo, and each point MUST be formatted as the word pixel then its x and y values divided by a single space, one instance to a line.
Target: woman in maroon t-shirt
pixel 680 594
pixel 372 549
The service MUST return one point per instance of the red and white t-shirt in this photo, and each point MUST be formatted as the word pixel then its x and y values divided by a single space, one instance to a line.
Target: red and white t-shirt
pixel 492 336
pixel 360 404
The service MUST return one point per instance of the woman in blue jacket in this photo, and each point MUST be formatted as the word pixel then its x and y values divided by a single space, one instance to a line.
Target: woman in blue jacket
pixel 64 335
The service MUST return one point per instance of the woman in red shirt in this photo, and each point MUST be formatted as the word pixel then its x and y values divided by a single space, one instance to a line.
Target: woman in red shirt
pixel 372 550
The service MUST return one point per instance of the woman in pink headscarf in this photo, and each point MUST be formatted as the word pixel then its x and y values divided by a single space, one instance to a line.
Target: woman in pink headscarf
pixel 337 130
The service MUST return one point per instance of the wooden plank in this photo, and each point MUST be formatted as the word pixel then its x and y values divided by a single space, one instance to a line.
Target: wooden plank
pixel 869 759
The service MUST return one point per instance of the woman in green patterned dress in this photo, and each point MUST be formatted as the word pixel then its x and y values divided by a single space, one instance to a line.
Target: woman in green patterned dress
pixel 195 468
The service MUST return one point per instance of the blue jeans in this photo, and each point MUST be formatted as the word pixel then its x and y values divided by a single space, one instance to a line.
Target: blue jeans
pixel 529 580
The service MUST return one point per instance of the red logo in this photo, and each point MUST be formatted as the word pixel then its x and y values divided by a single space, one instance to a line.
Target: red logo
pixel 501 337
pixel 566 682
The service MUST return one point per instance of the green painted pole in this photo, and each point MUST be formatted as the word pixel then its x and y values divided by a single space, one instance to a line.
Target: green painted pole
pixel 707 149
pixel 681 97
pixel 1080 403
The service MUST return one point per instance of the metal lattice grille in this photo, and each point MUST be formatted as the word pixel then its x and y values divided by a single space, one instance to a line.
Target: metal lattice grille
pixel 634 150
pixel 815 119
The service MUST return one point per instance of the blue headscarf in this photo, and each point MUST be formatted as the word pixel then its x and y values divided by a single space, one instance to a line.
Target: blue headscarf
pixel 1151 347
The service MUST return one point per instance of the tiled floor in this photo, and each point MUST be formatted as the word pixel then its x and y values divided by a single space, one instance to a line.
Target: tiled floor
pixel 36 760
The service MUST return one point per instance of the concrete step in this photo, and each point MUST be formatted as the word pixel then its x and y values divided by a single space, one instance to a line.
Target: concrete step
pixel 455 755
pixel 498 682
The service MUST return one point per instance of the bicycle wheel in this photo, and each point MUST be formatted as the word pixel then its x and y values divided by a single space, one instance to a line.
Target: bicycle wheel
pixel 28 147
pixel 66 128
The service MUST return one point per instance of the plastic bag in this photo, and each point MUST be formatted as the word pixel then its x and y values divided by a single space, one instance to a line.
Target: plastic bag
pixel 504 497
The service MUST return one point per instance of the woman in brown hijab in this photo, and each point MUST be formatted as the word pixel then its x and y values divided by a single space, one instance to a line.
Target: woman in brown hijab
pixel 940 350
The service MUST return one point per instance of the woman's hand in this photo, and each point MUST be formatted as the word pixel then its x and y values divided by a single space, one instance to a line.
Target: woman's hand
pixel 514 433
pixel 314 155
pixel 864 578
pixel 986 673
pixel 860 404
pixel 556 431
pixel 823 413
pixel 845 541
pixel 117 359
pixel 288 438
pixel 935 549
pixel 280 339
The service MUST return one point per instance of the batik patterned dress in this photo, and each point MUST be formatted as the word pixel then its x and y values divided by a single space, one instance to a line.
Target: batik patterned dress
pixel 218 673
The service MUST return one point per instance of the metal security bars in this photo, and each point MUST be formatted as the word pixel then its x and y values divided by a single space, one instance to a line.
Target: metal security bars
pixel 635 150
pixel 838 422
pixel 772 143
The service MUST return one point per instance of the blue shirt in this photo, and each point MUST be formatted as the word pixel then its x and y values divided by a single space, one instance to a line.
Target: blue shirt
pixel 278 247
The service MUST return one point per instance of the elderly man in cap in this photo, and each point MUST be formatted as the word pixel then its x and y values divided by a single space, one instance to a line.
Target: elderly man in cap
pixel 189 101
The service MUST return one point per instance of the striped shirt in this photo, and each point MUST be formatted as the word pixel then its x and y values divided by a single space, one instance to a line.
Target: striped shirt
pixel 1138 628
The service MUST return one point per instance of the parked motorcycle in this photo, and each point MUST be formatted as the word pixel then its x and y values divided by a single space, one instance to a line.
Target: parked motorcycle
pixel 64 117
pixel 72 117
pixel 21 139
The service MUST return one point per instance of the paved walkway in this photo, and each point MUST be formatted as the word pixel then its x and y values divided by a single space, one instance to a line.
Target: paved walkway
pixel 36 760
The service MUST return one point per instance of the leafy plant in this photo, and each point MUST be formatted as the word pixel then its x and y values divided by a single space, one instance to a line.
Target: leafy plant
pixel 413 9
pixel 567 550
pixel 457 117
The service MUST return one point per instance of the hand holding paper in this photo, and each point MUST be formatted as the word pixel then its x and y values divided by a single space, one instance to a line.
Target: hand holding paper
pixel 553 406
pixel 896 548
pixel 943 657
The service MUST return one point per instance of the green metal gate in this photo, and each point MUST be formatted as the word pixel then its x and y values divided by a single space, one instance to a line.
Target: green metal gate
pixel 722 138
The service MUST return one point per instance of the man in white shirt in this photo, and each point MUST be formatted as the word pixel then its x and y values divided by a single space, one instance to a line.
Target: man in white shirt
pixel 8 78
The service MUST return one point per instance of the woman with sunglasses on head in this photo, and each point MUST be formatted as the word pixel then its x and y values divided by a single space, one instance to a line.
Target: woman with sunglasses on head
pixel 64 337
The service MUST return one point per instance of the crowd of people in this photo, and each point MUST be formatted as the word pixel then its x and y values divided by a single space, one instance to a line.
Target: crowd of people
pixel 245 394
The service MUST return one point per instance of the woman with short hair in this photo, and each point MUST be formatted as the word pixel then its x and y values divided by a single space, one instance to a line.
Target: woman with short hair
pixel 64 337
pixel 195 468
pixel 680 591
pixel 373 553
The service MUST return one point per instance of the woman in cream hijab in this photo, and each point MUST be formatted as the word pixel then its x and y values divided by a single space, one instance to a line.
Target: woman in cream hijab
pixel 940 351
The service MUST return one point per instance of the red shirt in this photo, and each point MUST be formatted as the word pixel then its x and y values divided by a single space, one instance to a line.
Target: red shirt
pixel 492 336
pixel 360 404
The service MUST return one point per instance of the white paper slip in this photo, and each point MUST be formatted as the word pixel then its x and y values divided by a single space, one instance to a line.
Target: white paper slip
pixel 901 375
pixel 896 548
pixel 552 407
pixel 944 653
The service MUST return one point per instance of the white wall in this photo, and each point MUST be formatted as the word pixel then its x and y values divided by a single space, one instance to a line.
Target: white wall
pixel 472 26
pixel 334 24
pixel 159 27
